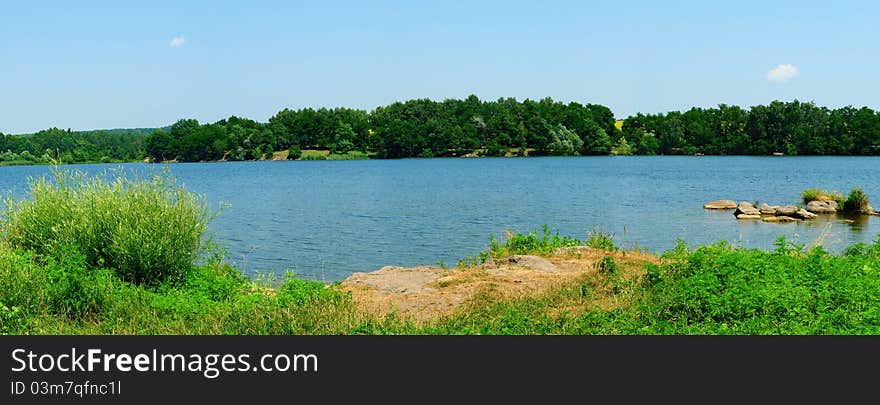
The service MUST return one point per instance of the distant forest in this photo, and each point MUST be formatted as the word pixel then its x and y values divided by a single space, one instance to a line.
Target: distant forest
pixel 505 127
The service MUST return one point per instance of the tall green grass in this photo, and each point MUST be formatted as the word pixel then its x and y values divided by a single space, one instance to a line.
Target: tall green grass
pixel 148 230
pixel 817 194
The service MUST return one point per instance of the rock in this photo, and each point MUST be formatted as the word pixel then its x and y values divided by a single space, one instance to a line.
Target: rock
pixel 780 218
pixel 720 205
pixel 768 209
pixel 532 262
pixel 822 207
pixel 787 211
pixel 393 279
pixel 748 216
pixel 746 208
pixel 804 214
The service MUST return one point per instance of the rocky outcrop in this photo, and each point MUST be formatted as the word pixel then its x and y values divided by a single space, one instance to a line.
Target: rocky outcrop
pixel 822 207
pixel 772 213
pixel 768 209
pixel 720 205
pixel 804 214
pixel 746 210
pixel 532 262
pixel 393 279
pixel 787 211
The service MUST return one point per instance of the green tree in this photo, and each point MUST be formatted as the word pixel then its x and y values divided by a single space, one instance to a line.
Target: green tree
pixel 596 140
pixel 160 146
pixel 344 139
pixel 622 148
pixel 564 142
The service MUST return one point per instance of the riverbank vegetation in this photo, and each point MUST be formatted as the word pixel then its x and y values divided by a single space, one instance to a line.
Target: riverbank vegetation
pixel 127 255
pixel 508 127
pixel 57 145
pixel 470 127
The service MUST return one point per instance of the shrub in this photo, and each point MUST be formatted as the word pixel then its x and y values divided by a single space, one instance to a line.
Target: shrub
pixel 293 152
pixel 148 231
pixel 857 201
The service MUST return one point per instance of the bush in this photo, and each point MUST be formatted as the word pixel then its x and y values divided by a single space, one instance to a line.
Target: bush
pixel 720 289
pixel 293 152
pixel 857 201
pixel 148 231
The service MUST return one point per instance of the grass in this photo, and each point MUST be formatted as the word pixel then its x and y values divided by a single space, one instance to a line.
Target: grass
pixel 53 281
pixel 313 154
pixel 536 242
pixel 147 230
pixel 816 194
pixel 351 155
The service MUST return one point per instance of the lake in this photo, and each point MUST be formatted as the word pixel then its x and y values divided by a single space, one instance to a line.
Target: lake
pixel 324 220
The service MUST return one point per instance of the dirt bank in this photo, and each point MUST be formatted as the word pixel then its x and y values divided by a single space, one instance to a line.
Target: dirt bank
pixel 425 292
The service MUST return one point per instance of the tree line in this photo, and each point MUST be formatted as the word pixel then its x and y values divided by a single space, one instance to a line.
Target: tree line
pixel 470 126
pixel 54 144
pixel 426 128
pixel 792 128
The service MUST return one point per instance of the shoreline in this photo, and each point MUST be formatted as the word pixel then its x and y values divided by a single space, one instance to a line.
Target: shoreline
pixel 12 164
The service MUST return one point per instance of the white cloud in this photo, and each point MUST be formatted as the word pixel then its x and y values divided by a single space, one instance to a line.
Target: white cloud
pixel 782 73
pixel 177 42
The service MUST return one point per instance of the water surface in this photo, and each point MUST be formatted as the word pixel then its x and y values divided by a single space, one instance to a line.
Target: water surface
pixel 326 219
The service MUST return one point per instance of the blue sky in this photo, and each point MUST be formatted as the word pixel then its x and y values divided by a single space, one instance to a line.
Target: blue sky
pixel 111 64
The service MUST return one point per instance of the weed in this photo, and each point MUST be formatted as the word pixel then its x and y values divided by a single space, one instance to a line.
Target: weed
pixel 598 239
pixel 607 266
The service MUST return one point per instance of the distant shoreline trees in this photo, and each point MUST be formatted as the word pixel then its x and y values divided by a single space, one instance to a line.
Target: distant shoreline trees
pixel 470 126
pixel 68 146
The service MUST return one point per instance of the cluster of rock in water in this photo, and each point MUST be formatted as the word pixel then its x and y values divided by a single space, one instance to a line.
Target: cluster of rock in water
pixel 778 213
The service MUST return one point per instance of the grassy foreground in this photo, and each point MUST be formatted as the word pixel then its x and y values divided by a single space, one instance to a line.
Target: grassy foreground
pixel 128 256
